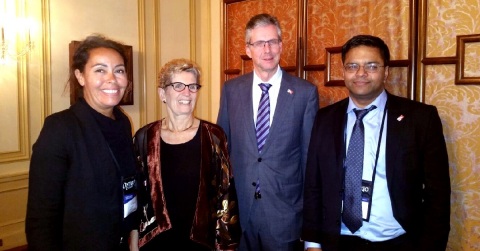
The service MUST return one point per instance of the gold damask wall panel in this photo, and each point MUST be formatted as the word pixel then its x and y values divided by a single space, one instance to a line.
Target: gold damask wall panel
pixel 460 113
pixel 237 16
pixel 446 20
pixel 330 23
pixel 327 95
pixel 397 81
pixel 472 56
pixel 459 108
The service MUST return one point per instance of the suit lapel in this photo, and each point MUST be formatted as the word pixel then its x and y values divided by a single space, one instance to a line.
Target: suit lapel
pixel 339 122
pixel 395 129
pixel 284 101
pixel 247 103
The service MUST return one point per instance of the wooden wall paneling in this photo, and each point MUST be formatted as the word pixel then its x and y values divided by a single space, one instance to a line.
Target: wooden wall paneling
pixel 413 47
pixel 459 60
pixel 13 194
pixel 14 70
pixel 425 60
pixel 467 74
pixel 301 33
pixel 14 100
pixel 336 81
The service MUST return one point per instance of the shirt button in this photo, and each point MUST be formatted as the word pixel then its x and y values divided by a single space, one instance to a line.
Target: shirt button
pixel 259 159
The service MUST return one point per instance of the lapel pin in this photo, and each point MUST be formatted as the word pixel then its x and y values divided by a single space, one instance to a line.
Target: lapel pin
pixel 290 91
pixel 400 117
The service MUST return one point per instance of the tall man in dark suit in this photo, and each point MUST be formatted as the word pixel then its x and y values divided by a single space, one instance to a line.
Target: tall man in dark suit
pixel 268 116
pixel 404 187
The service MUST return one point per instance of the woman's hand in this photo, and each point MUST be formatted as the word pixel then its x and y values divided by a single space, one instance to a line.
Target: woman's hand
pixel 133 240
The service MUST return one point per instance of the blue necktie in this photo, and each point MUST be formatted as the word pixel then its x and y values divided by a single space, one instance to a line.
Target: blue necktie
pixel 352 202
pixel 263 117
pixel 263 126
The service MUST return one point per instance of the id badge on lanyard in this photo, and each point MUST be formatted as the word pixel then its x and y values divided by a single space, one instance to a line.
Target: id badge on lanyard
pixel 129 195
pixel 367 190
pixel 367 185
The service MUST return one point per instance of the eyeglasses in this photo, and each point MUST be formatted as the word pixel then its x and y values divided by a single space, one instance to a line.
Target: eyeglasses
pixel 370 67
pixel 179 86
pixel 273 43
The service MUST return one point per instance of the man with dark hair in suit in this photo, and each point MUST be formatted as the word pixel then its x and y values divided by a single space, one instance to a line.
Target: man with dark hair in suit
pixel 268 116
pixel 377 171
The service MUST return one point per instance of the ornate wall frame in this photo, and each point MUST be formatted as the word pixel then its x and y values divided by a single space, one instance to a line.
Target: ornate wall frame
pixel 460 78
pixel 328 66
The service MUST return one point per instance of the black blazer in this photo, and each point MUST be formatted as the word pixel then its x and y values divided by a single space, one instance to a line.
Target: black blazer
pixel 75 199
pixel 416 167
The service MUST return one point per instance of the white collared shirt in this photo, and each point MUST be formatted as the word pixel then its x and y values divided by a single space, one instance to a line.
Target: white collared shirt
pixel 275 81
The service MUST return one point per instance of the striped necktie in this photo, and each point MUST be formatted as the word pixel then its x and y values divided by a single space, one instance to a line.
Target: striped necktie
pixel 262 127
pixel 263 117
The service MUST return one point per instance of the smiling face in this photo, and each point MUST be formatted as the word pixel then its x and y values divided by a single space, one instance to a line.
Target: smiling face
pixel 104 80
pixel 179 103
pixel 364 86
pixel 265 59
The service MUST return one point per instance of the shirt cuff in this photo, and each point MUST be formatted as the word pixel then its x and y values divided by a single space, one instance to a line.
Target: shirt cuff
pixel 312 245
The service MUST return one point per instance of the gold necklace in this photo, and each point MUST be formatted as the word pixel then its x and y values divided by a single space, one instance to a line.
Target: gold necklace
pixel 193 122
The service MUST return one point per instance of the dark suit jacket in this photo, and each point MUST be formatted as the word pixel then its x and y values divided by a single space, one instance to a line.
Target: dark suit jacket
pixel 281 165
pixel 75 199
pixel 416 168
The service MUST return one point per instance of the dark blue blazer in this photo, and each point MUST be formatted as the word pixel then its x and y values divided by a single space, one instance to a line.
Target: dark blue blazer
pixel 281 165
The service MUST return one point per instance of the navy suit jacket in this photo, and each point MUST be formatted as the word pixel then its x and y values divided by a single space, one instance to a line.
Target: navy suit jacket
pixel 416 168
pixel 281 165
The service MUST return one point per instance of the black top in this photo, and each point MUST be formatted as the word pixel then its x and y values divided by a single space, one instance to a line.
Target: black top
pixel 120 142
pixel 180 167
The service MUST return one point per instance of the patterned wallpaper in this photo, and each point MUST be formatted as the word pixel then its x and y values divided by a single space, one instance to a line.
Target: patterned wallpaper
pixel 331 22
pixel 237 16
pixel 459 109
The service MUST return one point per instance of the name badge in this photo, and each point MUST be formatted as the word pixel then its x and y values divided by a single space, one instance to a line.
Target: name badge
pixel 129 196
pixel 367 191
